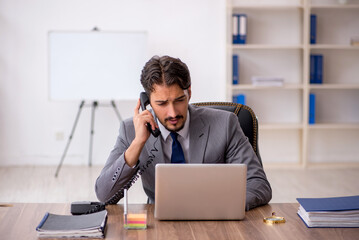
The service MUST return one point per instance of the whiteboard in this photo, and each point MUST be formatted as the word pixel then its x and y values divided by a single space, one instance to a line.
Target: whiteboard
pixel 96 65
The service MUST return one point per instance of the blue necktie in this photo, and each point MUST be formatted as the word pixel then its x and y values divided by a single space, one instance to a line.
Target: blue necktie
pixel 177 152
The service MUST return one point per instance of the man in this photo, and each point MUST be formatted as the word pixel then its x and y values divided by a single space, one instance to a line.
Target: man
pixel 204 135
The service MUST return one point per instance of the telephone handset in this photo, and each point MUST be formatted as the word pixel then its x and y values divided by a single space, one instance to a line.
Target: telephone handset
pixel 87 207
pixel 144 102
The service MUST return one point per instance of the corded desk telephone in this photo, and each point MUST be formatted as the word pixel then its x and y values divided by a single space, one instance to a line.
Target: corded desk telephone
pixel 144 99
pixel 86 207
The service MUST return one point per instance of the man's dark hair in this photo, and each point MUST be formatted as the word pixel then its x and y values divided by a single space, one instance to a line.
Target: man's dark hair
pixel 165 70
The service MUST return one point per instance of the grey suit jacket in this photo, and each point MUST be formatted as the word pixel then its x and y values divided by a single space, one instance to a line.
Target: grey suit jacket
pixel 215 137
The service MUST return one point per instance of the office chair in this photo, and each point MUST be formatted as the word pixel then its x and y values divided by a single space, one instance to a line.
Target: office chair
pixel 246 118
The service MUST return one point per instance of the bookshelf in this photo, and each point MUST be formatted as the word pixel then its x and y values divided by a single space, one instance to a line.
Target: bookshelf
pixel 278 45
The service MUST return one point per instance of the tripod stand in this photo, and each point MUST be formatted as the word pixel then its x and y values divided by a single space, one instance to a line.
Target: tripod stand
pixel 94 105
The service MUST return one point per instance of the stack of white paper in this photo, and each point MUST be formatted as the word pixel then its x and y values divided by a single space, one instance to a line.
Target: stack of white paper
pixel 68 226
pixel 330 212
pixel 267 81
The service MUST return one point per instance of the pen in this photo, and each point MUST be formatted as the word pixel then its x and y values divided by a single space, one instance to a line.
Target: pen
pixel 125 205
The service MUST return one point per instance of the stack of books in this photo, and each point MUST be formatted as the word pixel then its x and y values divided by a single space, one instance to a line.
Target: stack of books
pixel 316 68
pixel 68 226
pixel 235 69
pixel 330 212
pixel 267 81
pixel 313 29
pixel 239 32
pixel 312 99
pixel 239 98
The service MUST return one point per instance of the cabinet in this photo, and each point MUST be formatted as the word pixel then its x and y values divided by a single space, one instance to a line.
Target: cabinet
pixel 278 45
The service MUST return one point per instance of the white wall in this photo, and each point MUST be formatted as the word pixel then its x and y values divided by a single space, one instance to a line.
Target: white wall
pixel 31 126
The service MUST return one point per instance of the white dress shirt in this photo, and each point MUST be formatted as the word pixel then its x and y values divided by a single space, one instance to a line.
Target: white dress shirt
pixel 183 138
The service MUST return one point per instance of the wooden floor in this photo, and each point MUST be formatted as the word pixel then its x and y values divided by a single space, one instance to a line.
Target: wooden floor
pixel 76 183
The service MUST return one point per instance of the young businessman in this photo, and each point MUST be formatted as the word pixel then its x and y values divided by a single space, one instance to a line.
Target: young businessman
pixel 204 135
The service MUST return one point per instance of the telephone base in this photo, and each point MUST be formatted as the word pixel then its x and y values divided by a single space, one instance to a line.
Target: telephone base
pixel 84 207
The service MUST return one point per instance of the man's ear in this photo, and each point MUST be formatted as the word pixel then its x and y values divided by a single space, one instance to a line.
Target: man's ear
pixel 189 93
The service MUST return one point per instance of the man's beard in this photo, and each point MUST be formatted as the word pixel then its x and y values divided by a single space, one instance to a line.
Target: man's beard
pixel 178 117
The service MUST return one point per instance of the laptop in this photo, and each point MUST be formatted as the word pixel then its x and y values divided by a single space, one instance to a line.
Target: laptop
pixel 200 191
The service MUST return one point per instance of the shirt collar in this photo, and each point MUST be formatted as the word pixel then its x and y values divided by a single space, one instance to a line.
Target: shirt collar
pixel 183 132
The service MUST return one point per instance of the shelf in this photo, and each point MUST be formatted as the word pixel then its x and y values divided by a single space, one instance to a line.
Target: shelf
pixel 267 7
pixel 331 165
pixel 280 126
pixel 334 86
pixel 334 126
pixel 266 47
pixel 333 47
pixel 253 87
pixel 277 44
pixel 335 6
pixel 336 26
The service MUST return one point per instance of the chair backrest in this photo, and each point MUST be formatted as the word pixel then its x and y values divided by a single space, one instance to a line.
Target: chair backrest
pixel 246 118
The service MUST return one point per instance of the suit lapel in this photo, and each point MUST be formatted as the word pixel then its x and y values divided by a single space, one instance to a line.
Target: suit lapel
pixel 198 137
pixel 154 149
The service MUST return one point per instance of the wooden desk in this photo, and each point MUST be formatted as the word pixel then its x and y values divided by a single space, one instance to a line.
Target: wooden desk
pixel 19 222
